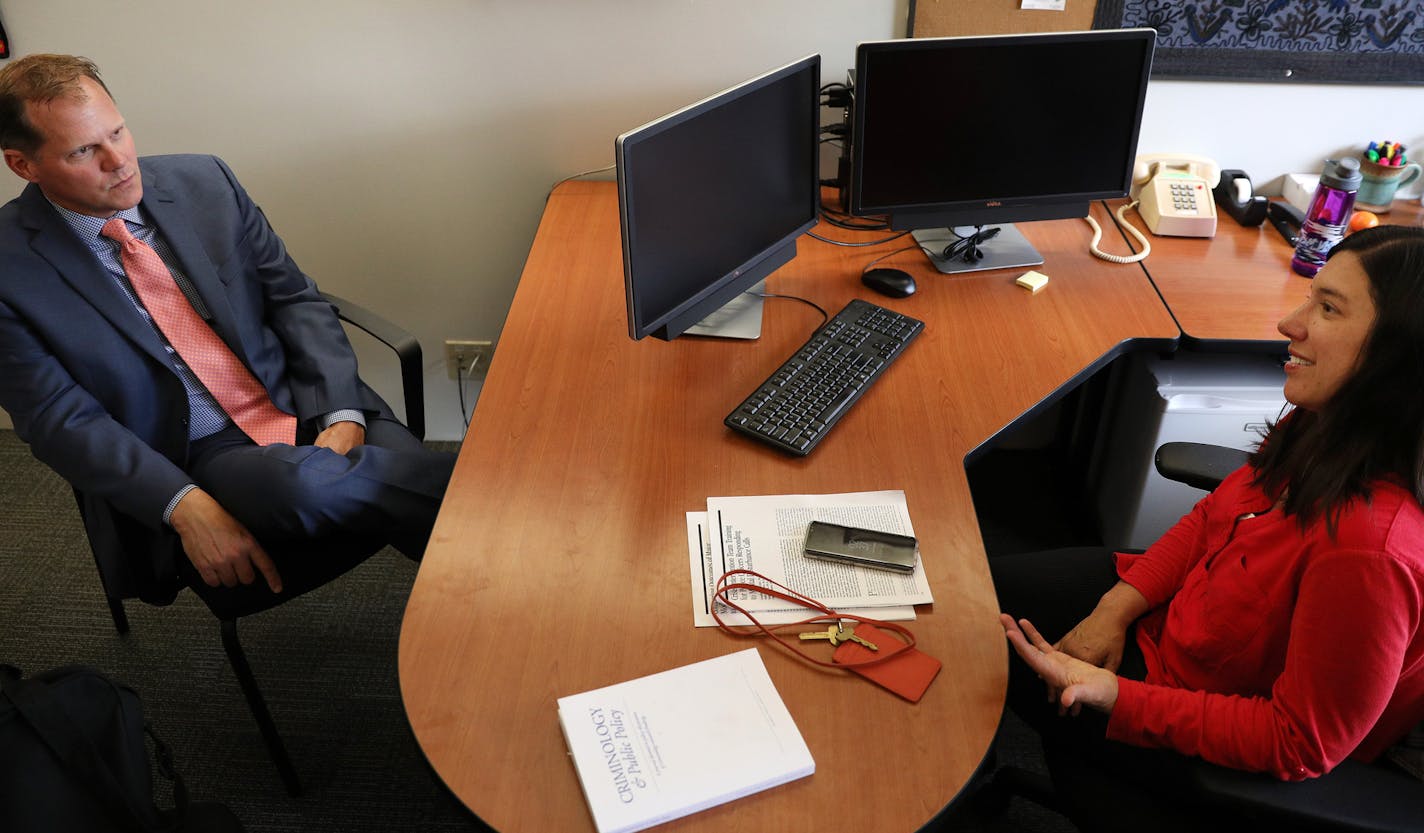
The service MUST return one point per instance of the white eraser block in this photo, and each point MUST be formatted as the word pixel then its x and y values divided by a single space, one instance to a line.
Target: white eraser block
pixel 1299 189
pixel 1032 281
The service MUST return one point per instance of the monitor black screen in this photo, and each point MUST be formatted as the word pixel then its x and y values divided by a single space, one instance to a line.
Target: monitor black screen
pixel 1000 129
pixel 712 197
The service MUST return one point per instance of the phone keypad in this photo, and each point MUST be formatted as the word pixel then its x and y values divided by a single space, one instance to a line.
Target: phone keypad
pixel 1184 196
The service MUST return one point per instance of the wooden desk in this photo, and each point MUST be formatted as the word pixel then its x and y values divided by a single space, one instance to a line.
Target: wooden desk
pixel 559 562
pixel 1228 291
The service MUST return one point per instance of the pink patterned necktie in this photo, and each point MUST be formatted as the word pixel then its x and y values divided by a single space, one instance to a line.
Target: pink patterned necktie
pixel 225 376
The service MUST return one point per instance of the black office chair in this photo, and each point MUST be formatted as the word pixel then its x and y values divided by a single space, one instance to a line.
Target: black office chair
pixel 1354 796
pixel 103 524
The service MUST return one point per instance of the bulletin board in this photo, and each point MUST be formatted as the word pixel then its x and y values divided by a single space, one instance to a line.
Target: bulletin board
pixel 1379 42
pixel 944 18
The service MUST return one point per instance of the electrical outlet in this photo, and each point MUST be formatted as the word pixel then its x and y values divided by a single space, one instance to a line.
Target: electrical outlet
pixel 472 358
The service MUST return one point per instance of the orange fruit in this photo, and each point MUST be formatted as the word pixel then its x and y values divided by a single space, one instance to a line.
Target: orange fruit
pixel 1363 219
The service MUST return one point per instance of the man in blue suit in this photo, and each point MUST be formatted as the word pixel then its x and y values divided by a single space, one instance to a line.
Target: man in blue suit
pixel 104 398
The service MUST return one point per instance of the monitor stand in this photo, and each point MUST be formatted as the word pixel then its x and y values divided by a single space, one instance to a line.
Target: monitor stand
pixel 1009 249
pixel 738 318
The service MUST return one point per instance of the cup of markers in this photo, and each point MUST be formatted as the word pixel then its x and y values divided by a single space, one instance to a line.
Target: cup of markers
pixel 1384 168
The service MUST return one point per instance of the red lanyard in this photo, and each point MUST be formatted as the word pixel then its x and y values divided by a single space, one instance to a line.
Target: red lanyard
pixel 824 616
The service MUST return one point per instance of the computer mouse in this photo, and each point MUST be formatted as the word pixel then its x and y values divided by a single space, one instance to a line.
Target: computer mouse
pixel 896 283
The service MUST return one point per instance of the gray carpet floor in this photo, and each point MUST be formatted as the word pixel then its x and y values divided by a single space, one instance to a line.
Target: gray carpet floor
pixel 326 662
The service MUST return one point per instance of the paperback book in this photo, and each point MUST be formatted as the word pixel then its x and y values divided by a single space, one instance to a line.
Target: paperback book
pixel 670 744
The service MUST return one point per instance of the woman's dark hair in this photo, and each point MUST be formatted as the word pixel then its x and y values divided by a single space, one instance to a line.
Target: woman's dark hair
pixel 1373 426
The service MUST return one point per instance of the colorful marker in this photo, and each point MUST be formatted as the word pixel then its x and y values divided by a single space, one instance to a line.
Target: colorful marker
pixel 1387 153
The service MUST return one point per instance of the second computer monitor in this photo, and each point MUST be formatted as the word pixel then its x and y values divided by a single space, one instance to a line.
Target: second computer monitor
pixel 711 199
pixel 994 130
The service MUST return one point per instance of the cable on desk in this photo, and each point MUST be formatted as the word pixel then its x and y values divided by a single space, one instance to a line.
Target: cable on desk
pixel 841 219
pixel 576 176
pixel 825 316
pixel 855 245
pixel 840 222
pixel 868 266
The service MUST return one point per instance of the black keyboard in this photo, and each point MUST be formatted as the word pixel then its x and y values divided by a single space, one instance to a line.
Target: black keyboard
pixel 796 406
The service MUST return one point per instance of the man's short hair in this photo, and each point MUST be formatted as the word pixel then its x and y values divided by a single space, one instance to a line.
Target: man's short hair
pixel 39 78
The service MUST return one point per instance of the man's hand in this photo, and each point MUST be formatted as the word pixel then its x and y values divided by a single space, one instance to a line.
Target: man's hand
pixel 1071 682
pixel 341 437
pixel 221 549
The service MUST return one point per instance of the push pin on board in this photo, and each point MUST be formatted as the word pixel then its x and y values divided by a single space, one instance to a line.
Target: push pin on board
pixel 1033 281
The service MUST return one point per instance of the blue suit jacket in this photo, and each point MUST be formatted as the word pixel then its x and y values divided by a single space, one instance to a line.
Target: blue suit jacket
pixel 87 381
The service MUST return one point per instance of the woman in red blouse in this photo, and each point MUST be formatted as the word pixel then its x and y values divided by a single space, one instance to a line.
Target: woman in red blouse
pixel 1278 627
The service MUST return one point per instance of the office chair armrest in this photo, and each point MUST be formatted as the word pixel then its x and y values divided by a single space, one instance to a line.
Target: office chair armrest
pixel 407 350
pixel 1353 796
pixel 1198 465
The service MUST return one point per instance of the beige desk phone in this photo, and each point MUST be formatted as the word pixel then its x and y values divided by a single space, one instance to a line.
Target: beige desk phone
pixel 1174 194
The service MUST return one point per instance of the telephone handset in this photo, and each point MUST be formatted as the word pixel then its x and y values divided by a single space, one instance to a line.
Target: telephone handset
pixel 1174 194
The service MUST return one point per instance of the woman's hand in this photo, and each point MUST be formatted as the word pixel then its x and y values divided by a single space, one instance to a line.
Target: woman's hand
pixel 1072 682
pixel 1101 638
pixel 1097 640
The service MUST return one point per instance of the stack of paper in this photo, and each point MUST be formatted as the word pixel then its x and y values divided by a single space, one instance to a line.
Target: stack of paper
pixel 664 746
pixel 768 534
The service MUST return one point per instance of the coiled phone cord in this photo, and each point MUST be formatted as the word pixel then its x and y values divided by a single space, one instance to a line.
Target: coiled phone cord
pixel 1098 235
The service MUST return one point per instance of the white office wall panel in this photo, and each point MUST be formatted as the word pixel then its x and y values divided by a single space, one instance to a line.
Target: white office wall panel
pixel 404 150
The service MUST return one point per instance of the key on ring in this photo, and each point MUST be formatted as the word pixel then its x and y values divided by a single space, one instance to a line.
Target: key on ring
pixel 832 633
pixel 849 636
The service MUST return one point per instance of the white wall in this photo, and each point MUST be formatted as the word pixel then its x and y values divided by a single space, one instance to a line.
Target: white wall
pixel 1269 130
pixel 404 150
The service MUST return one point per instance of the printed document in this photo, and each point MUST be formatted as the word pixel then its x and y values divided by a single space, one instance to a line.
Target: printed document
pixel 768 533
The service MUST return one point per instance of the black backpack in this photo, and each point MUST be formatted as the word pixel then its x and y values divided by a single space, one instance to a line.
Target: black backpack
pixel 73 758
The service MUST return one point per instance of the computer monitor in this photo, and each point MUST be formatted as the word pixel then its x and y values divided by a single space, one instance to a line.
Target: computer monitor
pixel 972 131
pixel 711 198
